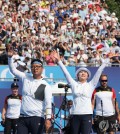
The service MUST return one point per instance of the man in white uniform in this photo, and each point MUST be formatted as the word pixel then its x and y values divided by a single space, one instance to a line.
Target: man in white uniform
pixel 36 98
pixel 106 107
pixel 11 110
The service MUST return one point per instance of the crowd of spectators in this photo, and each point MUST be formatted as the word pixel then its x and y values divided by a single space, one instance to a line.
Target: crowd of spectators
pixel 83 31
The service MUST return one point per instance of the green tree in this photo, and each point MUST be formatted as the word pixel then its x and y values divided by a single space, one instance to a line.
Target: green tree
pixel 114 6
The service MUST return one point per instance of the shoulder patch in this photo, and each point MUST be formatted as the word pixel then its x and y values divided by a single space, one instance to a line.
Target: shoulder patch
pixel 100 89
pixel 14 97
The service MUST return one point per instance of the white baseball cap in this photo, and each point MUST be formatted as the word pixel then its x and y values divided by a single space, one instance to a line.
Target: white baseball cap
pixel 83 69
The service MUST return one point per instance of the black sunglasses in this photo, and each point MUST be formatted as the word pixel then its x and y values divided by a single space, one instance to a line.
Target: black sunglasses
pixel 104 80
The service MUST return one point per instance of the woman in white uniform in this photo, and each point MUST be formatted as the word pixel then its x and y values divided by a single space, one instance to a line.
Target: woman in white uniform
pixel 81 111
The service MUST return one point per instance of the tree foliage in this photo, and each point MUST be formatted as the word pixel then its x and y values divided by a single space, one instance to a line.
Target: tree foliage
pixel 114 6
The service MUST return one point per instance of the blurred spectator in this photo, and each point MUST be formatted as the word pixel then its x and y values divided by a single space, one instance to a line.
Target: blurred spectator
pixel 72 60
pixel 49 60
pixel 82 58
pixel 105 57
pixel 115 59
pixel 114 47
pixel 31 26
pixel 95 60
pixel 2 34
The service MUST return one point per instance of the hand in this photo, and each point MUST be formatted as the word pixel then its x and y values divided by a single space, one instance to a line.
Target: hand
pixel 3 118
pixel 55 55
pixel 118 118
pixel 92 121
pixel 47 125
pixel 10 51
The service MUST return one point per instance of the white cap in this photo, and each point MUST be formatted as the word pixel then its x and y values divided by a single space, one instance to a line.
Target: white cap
pixel 23 2
pixel 13 35
pixel 33 31
pixel 33 5
pixel 69 27
pixel 113 14
pixel 72 53
pixel 83 69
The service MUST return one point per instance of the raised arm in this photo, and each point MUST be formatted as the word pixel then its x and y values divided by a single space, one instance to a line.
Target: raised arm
pixel 12 68
pixel 56 57
pixel 97 75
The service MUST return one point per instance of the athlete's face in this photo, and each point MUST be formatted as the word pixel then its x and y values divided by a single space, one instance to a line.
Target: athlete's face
pixel 36 70
pixel 14 91
pixel 83 75
pixel 103 81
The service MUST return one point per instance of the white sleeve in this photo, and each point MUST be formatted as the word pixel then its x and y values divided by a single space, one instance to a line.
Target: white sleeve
pixel 48 101
pixel 69 78
pixel 97 75
pixel 14 71
pixel 66 73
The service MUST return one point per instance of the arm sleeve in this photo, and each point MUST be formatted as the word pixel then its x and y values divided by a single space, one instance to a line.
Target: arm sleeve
pixel 70 80
pixel 21 97
pixel 6 100
pixel 14 71
pixel 93 95
pixel 97 75
pixel 114 94
pixel 48 101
